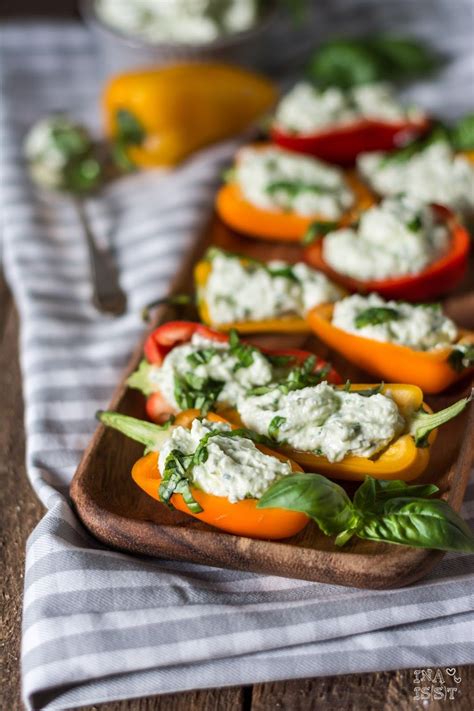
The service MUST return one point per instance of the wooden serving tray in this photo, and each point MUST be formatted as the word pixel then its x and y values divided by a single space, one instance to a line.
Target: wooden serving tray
pixel 122 516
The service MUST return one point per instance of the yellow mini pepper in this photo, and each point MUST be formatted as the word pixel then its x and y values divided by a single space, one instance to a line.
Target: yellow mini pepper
pixel 157 117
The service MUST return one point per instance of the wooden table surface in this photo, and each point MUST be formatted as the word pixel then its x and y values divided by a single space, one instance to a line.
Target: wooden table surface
pixel 21 511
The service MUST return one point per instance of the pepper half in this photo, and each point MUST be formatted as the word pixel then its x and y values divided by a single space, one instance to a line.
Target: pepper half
pixel 343 144
pixel 241 215
pixel 174 333
pixel 282 324
pixel 241 518
pixel 439 277
pixel 433 371
pixel 160 116
pixel 405 458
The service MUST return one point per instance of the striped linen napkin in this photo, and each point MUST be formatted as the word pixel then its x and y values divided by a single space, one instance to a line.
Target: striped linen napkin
pixel 99 625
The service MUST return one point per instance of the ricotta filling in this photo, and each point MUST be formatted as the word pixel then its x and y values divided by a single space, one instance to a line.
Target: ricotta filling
pixel 202 364
pixel 234 467
pixel 400 236
pixel 252 291
pixel 307 109
pixel 421 327
pixel 321 419
pixel 435 174
pixel 274 179
pixel 188 21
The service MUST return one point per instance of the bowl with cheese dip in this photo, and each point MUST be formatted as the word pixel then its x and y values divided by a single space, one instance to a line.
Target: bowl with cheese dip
pixel 133 33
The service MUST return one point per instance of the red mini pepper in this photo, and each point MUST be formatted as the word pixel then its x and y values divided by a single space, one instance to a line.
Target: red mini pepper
pixel 174 333
pixel 438 278
pixel 342 144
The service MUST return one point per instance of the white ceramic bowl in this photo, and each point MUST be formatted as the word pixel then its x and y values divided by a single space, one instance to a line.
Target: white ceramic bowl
pixel 121 51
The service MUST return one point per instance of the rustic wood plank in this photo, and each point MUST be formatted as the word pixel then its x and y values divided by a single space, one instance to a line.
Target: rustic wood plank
pixel 380 691
pixel 20 508
pixel 230 699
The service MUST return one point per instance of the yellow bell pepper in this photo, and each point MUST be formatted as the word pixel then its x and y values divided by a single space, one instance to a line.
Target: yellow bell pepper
pixel 157 117
pixel 405 458
pixel 281 324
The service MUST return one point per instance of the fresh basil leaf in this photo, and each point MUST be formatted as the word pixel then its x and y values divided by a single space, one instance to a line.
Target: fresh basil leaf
pixel 345 63
pixel 285 272
pixel 462 135
pixel 392 489
pixel 176 479
pixel 376 315
pixel 274 426
pixel 319 498
pixel 141 378
pixel 364 498
pixel 419 523
pixel 243 352
pixel 402 57
pixel 462 357
pixel 316 230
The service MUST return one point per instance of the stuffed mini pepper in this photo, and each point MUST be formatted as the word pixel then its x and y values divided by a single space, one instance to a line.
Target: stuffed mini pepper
pixel 347 432
pixel 411 343
pixel 403 248
pixel 188 365
pixel 251 296
pixel 275 194
pixel 336 124
pixel 211 470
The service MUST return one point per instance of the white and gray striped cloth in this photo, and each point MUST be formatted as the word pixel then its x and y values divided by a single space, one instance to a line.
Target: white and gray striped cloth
pixel 99 625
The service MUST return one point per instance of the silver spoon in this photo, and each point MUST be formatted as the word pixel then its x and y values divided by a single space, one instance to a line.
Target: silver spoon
pixel 62 157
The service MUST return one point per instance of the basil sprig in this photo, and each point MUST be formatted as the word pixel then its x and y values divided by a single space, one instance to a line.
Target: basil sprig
pixel 389 512
pixel 351 62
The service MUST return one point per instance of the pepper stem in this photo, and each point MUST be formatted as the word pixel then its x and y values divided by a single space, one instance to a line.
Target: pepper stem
pixel 423 423
pixel 176 300
pixel 151 435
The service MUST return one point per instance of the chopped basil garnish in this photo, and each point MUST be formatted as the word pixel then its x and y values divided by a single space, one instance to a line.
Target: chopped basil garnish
pixel 241 351
pixel 302 376
pixel 376 315
pixel 295 187
pixel 201 357
pixel 415 224
pixel 316 230
pixel 366 392
pixel 192 391
pixel 274 426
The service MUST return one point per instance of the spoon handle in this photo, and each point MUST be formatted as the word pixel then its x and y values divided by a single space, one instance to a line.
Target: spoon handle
pixel 108 296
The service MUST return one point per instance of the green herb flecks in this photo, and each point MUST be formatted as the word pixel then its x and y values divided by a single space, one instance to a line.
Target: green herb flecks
pixel 299 377
pixel 203 356
pixel 389 512
pixel 192 391
pixel 316 230
pixel 375 316
pixel 243 352
pixel 274 426
pixel 293 188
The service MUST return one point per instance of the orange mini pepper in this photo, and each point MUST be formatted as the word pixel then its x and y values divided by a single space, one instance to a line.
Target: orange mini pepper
pixel 433 371
pixel 159 116
pixel 241 215
pixel 241 518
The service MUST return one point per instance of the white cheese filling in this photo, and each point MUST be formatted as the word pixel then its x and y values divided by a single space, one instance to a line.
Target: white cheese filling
pixel 221 366
pixel 307 109
pixel 421 327
pixel 399 236
pixel 234 468
pixel 190 21
pixel 329 422
pixel 435 174
pixel 274 179
pixel 253 292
